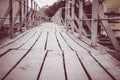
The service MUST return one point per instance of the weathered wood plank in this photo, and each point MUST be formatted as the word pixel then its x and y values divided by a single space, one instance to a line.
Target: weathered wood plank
pixel 31 41
pixel 74 69
pixel 95 71
pixel 29 67
pixel 72 44
pixel 53 67
pixel 62 43
pixel 9 60
pixel 52 43
pixel 40 45
pixel 17 44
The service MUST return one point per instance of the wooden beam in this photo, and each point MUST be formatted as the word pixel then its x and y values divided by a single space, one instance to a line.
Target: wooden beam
pixel 21 15
pixel 66 14
pixel 11 3
pixel 4 16
pixel 80 17
pixel 27 16
pixel 73 13
pixel 94 23
pixel 88 23
pixel 82 29
pixel 108 29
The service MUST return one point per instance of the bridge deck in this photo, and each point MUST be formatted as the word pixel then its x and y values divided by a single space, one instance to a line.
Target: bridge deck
pixel 49 52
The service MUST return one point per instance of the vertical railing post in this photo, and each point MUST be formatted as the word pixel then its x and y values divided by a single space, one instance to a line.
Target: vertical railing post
pixel 80 17
pixel 66 14
pixel 94 23
pixel 11 3
pixel 32 13
pixel 27 16
pixel 73 14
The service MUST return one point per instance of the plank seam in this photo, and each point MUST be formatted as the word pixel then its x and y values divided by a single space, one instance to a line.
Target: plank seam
pixel 20 59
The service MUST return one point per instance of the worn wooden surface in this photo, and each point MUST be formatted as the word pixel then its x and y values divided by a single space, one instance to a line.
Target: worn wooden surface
pixel 48 52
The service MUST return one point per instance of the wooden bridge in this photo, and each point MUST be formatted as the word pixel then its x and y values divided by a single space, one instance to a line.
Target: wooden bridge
pixel 57 48
pixel 49 52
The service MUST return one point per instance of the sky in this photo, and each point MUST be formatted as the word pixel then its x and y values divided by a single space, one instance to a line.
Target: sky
pixel 42 3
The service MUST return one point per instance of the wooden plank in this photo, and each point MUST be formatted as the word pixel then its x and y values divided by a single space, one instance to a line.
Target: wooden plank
pixel 31 41
pixel 8 41
pixel 94 23
pixel 95 71
pixel 19 42
pixel 109 63
pixel 63 44
pixel 9 60
pixel 51 45
pixel 74 69
pixel 108 29
pixel 53 67
pixel 40 45
pixel 106 60
pixel 72 44
pixel 29 67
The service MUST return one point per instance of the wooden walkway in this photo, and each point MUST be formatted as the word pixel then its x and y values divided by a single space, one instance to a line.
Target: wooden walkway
pixel 48 52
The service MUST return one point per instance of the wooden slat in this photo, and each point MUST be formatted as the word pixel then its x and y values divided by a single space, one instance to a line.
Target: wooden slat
pixel 53 67
pixel 9 60
pixel 95 71
pixel 19 42
pixel 63 44
pixel 31 41
pixel 29 67
pixel 109 63
pixel 72 43
pixel 106 60
pixel 74 69
pixel 52 43
pixel 40 45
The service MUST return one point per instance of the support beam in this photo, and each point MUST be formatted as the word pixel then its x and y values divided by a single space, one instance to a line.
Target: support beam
pixel 11 3
pixel 73 13
pixel 21 15
pixel 27 16
pixel 66 14
pixel 94 23
pixel 80 17
pixel 4 16
pixel 108 29
pixel 82 29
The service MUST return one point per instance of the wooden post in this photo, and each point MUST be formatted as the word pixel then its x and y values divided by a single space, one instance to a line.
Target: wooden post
pixel 31 13
pixel 94 23
pixel 66 13
pixel 21 15
pixel 27 16
pixel 80 17
pixel 11 3
pixel 73 13
pixel 108 29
